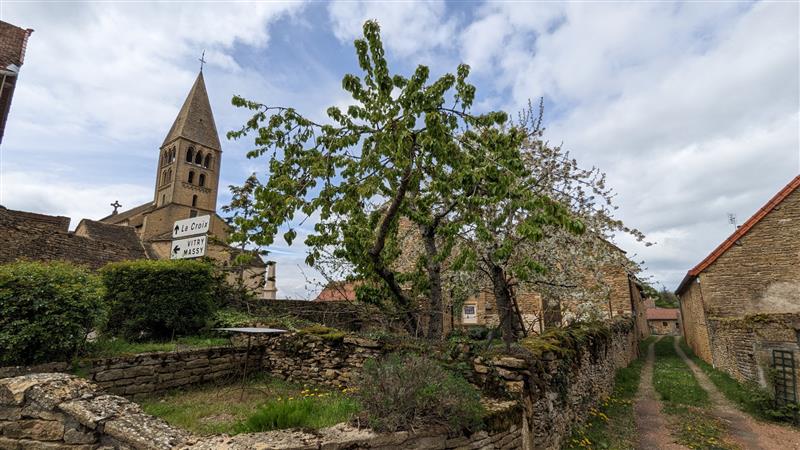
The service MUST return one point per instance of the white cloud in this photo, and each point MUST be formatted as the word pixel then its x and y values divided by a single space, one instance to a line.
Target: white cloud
pixel 49 193
pixel 119 69
pixel 407 28
pixel 691 109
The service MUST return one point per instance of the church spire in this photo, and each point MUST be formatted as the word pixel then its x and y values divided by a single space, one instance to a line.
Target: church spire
pixel 195 121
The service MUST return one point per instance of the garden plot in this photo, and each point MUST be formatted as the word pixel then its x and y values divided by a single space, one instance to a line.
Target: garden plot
pixel 261 404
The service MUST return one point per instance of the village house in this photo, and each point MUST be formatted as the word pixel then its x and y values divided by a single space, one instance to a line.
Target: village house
pixel 186 183
pixel 664 321
pixel 13 41
pixel 740 306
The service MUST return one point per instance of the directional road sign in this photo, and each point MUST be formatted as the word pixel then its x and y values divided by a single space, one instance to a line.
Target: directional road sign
pixel 193 247
pixel 191 226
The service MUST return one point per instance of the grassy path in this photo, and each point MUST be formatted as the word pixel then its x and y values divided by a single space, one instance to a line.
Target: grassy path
pixel 687 404
pixel 742 429
pixel 650 422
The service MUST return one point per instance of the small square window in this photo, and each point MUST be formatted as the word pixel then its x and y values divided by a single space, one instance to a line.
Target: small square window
pixel 469 313
pixel 193 213
pixel 664 323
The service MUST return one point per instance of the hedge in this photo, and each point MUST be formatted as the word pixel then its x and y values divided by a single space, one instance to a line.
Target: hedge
pixel 158 299
pixel 46 310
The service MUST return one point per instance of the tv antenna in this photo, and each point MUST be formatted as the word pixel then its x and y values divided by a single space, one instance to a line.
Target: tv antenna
pixel 732 220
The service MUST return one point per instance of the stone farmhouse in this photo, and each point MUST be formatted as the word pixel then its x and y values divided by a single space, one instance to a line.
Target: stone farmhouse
pixel 664 321
pixel 741 304
pixel 186 183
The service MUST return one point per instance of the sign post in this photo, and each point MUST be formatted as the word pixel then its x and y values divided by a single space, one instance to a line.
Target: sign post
pixel 193 237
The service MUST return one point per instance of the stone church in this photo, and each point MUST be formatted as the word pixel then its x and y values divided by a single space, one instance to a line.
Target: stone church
pixel 186 185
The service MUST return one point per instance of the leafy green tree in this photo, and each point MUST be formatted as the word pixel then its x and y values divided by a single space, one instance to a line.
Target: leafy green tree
pixel 543 223
pixel 390 153
pixel 241 211
pixel 506 217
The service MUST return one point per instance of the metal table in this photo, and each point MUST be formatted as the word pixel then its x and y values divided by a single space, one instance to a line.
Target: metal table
pixel 250 332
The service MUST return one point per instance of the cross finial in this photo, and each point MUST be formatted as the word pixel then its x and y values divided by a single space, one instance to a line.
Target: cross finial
pixel 202 60
pixel 116 205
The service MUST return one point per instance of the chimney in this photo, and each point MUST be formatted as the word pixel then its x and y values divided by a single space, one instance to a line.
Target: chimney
pixel 269 287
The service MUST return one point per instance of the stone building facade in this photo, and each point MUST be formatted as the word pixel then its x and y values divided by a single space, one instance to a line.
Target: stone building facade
pixel 13 42
pixel 752 277
pixel 663 321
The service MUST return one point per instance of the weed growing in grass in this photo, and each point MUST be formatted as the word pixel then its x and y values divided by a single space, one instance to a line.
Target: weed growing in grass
pixel 265 404
pixel 304 412
pixel 673 380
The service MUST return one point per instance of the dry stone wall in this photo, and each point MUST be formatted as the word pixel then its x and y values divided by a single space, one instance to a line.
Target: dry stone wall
pixel 743 347
pixel 60 411
pixel 552 392
pixel 152 373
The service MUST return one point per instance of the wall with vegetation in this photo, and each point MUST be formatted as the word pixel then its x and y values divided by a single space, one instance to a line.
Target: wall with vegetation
pixel 549 381
pixel 743 347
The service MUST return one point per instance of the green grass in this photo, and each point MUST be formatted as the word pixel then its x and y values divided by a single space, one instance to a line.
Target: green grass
pixel 303 412
pixel 673 380
pixel 108 347
pixel 748 397
pixel 644 344
pixel 265 403
pixel 684 399
pixel 613 426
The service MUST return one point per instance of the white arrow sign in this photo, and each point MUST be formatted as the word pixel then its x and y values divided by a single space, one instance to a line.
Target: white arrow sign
pixel 191 226
pixel 193 247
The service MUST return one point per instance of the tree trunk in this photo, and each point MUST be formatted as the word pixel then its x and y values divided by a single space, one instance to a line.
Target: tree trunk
pixel 376 251
pixel 510 322
pixel 434 269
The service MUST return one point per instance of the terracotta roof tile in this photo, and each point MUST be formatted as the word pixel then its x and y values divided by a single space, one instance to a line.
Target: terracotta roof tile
pixel 662 313
pixel 338 291
pixel 13 41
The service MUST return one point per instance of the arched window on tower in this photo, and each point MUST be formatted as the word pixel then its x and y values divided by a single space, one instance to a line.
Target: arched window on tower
pixel 194 201
pixel 169 175
pixel 189 154
pixel 202 180
pixel 191 177
pixel 207 161
pixel 164 177
pixel 172 155
pixel 198 159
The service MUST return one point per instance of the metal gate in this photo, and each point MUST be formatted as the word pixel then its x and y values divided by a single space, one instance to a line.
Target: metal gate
pixel 785 378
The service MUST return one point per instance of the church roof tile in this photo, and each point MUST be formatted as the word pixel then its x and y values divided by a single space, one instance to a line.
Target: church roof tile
pixel 195 120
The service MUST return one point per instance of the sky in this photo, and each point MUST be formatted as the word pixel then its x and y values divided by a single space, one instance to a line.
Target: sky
pixel 691 109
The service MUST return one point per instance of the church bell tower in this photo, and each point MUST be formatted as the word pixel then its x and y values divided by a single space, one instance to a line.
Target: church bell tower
pixel 187 172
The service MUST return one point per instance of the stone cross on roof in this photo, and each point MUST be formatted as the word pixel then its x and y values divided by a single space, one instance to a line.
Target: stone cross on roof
pixel 116 205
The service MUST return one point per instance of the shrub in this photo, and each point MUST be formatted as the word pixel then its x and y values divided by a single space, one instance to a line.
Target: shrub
pixel 408 392
pixel 46 310
pixel 158 299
